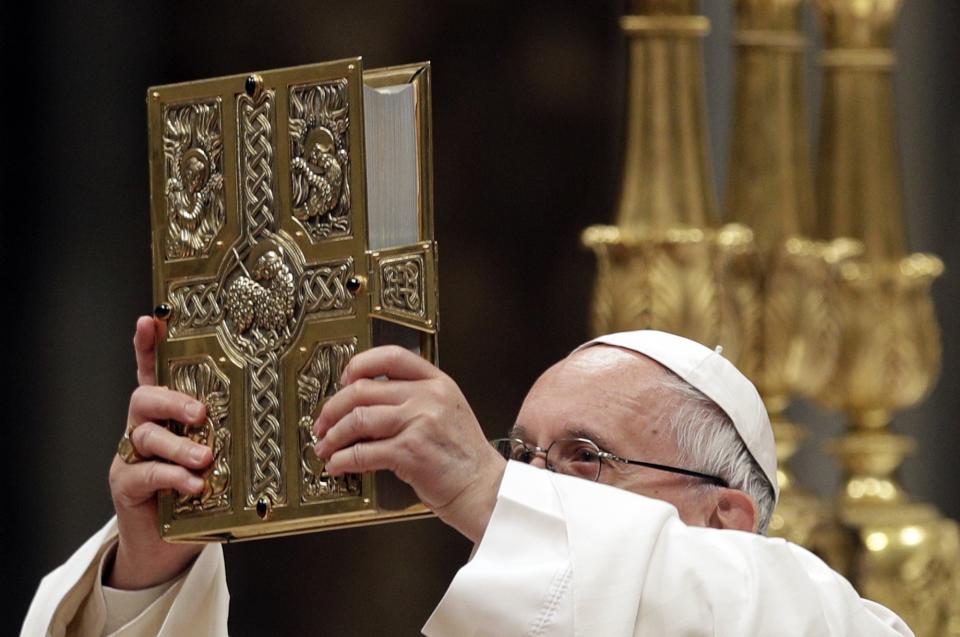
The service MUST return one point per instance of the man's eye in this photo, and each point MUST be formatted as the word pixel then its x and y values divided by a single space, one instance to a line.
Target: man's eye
pixel 584 454
pixel 522 454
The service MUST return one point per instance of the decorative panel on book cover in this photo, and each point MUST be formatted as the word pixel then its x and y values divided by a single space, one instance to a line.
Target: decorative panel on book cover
pixel 292 228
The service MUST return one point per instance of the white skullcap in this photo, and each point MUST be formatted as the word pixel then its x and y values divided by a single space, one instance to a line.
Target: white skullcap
pixel 717 378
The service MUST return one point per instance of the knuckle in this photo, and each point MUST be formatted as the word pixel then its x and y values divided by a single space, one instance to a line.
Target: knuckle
pixel 140 394
pixel 151 476
pixel 436 389
pixel 113 477
pixel 393 354
pixel 361 388
pixel 411 443
pixel 144 437
pixel 182 451
pixel 359 453
pixel 406 444
pixel 359 421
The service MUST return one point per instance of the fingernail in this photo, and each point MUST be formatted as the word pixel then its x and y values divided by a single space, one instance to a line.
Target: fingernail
pixel 318 450
pixel 193 408
pixel 198 453
pixel 195 483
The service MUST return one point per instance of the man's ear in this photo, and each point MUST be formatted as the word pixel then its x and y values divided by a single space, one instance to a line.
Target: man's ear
pixel 734 509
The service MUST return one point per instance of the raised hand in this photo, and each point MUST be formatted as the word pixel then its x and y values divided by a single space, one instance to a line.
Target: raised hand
pixel 167 461
pixel 417 424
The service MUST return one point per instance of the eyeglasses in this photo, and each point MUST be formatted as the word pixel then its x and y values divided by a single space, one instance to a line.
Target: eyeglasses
pixel 582 458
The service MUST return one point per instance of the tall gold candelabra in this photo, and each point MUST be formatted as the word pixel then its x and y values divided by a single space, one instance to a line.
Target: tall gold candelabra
pixel 814 299
pixel 906 555
pixel 770 190
pixel 665 264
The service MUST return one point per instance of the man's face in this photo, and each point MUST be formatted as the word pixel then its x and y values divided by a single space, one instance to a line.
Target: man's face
pixel 616 399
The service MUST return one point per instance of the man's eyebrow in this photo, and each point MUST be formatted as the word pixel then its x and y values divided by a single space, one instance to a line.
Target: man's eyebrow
pixel 517 431
pixel 589 434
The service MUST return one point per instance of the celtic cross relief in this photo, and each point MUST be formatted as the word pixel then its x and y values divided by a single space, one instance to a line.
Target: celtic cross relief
pixel 264 288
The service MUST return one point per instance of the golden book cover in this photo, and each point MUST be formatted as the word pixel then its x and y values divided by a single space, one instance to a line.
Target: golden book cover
pixel 292 221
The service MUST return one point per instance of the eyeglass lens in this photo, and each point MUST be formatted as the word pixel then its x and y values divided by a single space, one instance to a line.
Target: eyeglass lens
pixel 574 457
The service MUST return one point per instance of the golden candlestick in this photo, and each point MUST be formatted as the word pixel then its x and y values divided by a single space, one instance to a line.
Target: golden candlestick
pixel 770 189
pixel 906 557
pixel 665 264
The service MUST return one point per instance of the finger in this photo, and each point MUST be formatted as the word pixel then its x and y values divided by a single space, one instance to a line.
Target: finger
pixel 144 346
pixel 137 482
pixel 363 423
pixel 153 441
pixel 150 403
pixel 362 392
pixel 377 455
pixel 391 361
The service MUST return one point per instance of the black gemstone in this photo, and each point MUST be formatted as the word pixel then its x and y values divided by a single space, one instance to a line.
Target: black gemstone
pixel 162 311
pixel 250 86
pixel 353 284
pixel 263 508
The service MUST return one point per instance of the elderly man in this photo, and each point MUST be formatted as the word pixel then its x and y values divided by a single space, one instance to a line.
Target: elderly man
pixel 651 520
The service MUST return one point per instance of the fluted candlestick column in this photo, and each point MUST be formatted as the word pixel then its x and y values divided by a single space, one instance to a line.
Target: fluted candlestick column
pixel 664 264
pixel 906 556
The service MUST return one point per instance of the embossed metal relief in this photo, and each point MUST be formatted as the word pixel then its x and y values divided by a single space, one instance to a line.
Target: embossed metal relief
pixel 271 288
pixel 264 289
pixel 324 288
pixel 195 306
pixel 260 304
pixel 193 168
pixel 404 288
pixel 255 127
pixel 202 380
pixel 402 285
pixel 320 158
pixel 317 381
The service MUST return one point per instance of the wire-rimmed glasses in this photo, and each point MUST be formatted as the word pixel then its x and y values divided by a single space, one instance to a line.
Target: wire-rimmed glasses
pixel 582 458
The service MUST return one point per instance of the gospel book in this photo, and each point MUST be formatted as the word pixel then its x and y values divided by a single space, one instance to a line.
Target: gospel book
pixel 292 221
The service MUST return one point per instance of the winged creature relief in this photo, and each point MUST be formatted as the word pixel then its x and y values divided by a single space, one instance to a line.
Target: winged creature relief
pixel 192 145
pixel 202 380
pixel 320 162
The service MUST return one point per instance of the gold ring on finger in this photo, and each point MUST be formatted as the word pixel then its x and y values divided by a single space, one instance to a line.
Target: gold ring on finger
pixel 126 450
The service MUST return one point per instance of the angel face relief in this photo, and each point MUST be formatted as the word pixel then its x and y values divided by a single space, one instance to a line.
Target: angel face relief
pixel 193 149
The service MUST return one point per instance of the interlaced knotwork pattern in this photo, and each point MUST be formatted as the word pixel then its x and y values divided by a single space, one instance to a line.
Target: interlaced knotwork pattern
pixel 195 307
pixel 266 477
pixel 324 288
pixel 256 134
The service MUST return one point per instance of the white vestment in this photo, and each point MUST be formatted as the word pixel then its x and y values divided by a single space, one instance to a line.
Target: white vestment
pixel 560 557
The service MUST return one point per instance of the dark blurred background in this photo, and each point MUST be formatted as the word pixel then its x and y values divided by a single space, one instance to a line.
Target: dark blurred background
pixel 528 111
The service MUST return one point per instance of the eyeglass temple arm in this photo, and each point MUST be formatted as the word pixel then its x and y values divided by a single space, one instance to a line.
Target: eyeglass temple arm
pixel 653 465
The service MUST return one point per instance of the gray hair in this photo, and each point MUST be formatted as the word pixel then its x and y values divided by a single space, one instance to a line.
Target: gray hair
pixel 709 443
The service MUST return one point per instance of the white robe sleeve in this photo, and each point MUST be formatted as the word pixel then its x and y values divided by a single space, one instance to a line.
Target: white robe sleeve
pixel 567 557
pixel 70 600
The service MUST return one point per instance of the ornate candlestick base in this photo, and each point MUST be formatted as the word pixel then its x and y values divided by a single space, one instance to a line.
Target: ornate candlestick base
pixel 905 555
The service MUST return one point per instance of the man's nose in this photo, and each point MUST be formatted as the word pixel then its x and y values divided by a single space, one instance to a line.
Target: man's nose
pixel 539 461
